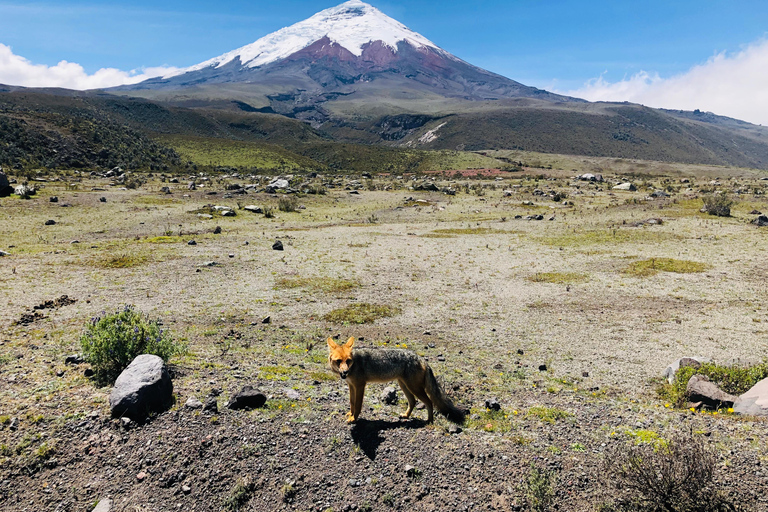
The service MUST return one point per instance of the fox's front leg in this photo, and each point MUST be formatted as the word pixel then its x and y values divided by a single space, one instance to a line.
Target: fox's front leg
pixel 351 416
pixel 358 406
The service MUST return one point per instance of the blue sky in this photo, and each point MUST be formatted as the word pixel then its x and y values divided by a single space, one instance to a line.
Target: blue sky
pixel 608 48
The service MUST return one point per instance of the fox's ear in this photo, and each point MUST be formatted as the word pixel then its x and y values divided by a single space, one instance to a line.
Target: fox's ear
pixel 331 344
pixel 350 342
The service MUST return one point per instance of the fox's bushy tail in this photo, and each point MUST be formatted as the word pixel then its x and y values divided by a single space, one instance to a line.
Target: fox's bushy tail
pixel 441 402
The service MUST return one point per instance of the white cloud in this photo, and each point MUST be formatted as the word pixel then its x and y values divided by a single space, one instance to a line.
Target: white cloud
pixel 733 85
pixel 16 70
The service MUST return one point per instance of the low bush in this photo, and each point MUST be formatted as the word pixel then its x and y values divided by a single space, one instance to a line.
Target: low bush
pixel 361 313
pixel 110 342
pixel 718 204
pixel 676 476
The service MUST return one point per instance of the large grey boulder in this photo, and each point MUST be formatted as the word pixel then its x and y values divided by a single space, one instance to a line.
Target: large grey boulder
pixel 706 394
pixel 755 401
pixel 144 387
pixel 625 186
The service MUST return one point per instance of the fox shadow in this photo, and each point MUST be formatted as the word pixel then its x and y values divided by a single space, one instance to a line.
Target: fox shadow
pixel 367 433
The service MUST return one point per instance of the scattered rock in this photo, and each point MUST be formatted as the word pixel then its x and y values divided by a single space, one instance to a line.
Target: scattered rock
pixel 292 394
pixel 267 320
pixel 24 191
pixel 88 372
pixel 14 424
pixel 145 386
pixel 247 398
pixel 671 370
pixel 193 403
pixel 253 208
pixel 542 367
pixel 104 505
pixel 165 190
pixel 211 405
pixel 141 476
pixel 50 222
pixel 492 404
pixel 761 221
pixel 186 489
pixel 53 199
pixel 701 390
pixel 191 242
pixel 74 359
pixel 102 199
pixel 3 253
pixel 389 396
pixel 755 212
pixel 217 230
pixel 277 246
pixel 625 186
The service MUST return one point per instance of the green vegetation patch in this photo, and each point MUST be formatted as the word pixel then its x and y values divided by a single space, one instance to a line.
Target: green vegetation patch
pixel 234 153
pixel 164 240
pixel 547 414
pixel 489 421
pixel 469 231
pixel 124 260
pixel 112 341
pixel 607 237
pixel 731 379
pixel 558 277
pixel 362 313
pixel 649 267
pixel 319 284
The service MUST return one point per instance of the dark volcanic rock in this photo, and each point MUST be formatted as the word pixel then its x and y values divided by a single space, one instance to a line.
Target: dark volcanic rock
pixel 247 398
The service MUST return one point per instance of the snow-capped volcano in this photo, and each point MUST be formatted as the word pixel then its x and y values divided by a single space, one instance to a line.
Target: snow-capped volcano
pixel 349 53
pixel 351 25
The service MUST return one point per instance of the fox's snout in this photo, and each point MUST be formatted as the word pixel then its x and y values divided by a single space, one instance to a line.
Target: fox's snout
pixel 343 374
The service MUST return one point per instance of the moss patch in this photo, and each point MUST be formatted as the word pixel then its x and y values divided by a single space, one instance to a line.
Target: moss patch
pixel 362 313
pixel 558 277
pixel 649 267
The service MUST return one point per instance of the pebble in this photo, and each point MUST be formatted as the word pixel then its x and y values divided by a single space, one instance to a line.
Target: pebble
pixel 141 476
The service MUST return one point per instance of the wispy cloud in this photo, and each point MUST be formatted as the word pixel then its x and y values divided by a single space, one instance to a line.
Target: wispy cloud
pixel 16 70
pixel 733 85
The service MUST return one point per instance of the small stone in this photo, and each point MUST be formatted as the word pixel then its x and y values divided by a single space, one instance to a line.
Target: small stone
pixel 53 199
pixel 73 359
pixel 492 404
pixel 104 505
pixel 247 398
pixel 14 425
pixel 427 333
pixel 277 246
pixel 75 242
pixel 292 394
pixel 50 222
pixel 389 396
pixel 542 367
pixel 141 476
pixel 193 403
pixel 191 242
pixel 441 358
pixel 88 372
pixel 103 199
pixel 217 230
pixel 267 320
pixel 59 373
pixel 231 255
pixel 186 489
pixel 211 405
pixel 520 352
pixel 125 422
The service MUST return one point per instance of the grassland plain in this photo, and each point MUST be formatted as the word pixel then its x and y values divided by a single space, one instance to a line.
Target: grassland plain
pixel 539 315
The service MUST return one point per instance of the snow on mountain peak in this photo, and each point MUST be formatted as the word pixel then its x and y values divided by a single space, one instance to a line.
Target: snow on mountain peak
pixel 351 25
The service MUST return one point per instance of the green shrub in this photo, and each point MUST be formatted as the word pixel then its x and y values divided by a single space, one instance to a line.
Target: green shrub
pixel 287 204
pixel 731 379
pixel 362 313
pixel 112 341
pixel 718 204
pixel 538 488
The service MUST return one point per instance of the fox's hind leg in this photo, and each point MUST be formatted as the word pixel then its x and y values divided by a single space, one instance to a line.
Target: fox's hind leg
pixel 409 396
pixel 421 394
